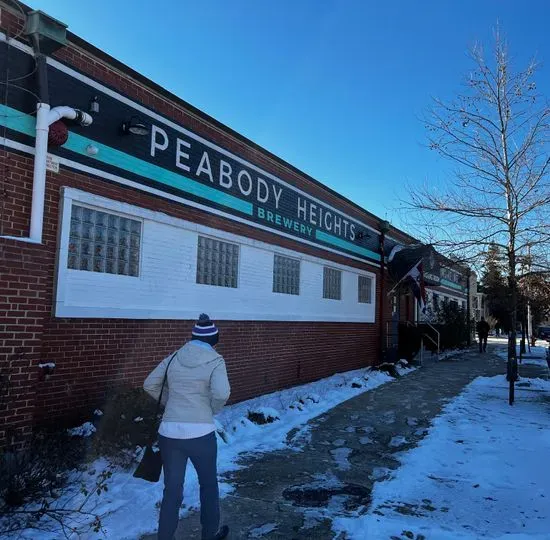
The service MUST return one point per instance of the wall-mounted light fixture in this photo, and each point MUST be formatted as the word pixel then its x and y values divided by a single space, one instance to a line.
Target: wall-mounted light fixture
pixel 134 126
pixel 94 105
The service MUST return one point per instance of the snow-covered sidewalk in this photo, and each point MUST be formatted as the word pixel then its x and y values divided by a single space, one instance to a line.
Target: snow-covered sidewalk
pixel 482 471
pixel 129 508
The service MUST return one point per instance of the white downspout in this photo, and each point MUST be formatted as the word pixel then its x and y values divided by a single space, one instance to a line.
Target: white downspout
pixel 45 117
pixel 39 175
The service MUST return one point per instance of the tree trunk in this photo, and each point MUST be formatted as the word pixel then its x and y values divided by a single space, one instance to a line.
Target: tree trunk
pixel 512 367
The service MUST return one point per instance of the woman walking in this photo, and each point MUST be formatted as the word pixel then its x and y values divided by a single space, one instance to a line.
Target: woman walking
pixel 196 389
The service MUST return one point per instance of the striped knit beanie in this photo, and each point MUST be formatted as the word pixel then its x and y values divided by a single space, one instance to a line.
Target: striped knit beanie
pixel 205 330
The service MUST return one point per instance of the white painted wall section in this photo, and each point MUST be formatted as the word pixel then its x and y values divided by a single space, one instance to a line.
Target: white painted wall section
pixel 166 287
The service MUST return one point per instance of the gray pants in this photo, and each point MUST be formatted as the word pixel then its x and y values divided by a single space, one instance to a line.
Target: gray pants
pixel 202 452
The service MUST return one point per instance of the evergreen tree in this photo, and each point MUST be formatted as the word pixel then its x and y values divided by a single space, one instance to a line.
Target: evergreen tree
pixel 495 287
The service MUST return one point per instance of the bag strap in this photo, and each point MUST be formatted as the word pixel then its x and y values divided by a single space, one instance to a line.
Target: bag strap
pixel 161 391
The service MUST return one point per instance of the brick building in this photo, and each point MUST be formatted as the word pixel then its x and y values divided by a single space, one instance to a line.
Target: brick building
pixel 154 212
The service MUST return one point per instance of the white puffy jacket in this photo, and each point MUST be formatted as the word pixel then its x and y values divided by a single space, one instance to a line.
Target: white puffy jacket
pixel 196 388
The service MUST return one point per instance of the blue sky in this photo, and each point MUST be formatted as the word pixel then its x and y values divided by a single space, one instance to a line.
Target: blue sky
pixel 337 88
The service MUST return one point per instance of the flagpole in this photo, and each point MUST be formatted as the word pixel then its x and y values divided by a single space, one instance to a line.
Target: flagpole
pixel 393 288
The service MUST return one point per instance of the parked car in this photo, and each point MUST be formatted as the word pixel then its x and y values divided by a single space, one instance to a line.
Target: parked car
pixel 544 332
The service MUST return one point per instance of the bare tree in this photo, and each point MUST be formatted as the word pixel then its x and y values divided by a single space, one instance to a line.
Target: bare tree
pixel 496 133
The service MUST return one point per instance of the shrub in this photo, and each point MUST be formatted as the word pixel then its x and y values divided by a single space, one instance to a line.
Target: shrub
pixel 389 368
pixel 453 326
pixel 41 469
pixel 128 420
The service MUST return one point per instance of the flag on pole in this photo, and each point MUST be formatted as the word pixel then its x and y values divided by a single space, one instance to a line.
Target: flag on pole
pixel 415 278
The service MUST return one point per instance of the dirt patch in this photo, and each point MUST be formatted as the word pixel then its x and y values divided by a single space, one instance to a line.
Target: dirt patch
pixel 355 494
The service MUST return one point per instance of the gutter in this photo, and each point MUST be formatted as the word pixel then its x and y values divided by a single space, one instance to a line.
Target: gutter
pixel 45 117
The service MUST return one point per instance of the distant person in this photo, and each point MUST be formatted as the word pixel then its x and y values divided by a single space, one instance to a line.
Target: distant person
pixel 482 328
pixel 198 388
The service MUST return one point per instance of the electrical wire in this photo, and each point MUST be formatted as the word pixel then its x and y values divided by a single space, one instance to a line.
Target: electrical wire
pixel 7 83
pixel 18 5
pixel 2 83
pixel 27 74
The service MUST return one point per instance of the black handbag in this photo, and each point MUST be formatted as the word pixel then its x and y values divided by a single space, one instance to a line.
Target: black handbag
pixel 150 465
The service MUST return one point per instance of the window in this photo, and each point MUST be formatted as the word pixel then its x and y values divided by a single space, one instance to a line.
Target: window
pixel 365 289
pixel 103 242
pixel 217 263
pixel 436 301
pixel 332 283
pixel 286 275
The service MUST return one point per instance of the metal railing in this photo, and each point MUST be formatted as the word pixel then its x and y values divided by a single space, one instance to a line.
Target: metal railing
pixel 435 341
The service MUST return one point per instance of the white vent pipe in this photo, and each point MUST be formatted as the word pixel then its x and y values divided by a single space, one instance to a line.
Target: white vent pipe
pixel 45 117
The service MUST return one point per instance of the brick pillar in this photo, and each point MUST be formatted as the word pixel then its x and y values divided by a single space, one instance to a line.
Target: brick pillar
pixel 22 311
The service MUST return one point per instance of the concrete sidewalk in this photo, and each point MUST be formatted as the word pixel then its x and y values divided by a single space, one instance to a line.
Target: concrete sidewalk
pixel 334 460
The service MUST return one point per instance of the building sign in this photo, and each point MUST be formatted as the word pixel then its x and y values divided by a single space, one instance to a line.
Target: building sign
pixel 268 200
pixel 52 163
pixel 175 160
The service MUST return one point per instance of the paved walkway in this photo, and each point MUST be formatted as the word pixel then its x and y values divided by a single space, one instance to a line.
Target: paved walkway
pixel 335 459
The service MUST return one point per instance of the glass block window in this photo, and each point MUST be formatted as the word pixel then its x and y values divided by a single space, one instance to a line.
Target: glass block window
pixel 217 263
pixel 286 275
pixel 332 283
pixel 365 290
pixel 103 242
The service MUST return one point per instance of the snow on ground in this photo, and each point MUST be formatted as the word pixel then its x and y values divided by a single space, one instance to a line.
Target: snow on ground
pixel 482 472
pixel 260 532
pixel 85 430
pixel 130 507
pixel 340 456
pixel 538 351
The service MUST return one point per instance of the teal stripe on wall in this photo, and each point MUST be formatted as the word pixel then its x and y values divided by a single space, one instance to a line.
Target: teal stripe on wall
pixel 335 241
pixel 452 285
pixel 23 123
pixel 16 120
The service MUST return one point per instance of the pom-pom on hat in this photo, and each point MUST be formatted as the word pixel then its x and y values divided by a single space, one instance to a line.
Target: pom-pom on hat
pixel 205 330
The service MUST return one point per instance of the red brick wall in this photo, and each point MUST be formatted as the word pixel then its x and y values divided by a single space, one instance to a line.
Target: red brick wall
pixel 97 354
pixel 22 314
pixel 92 355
